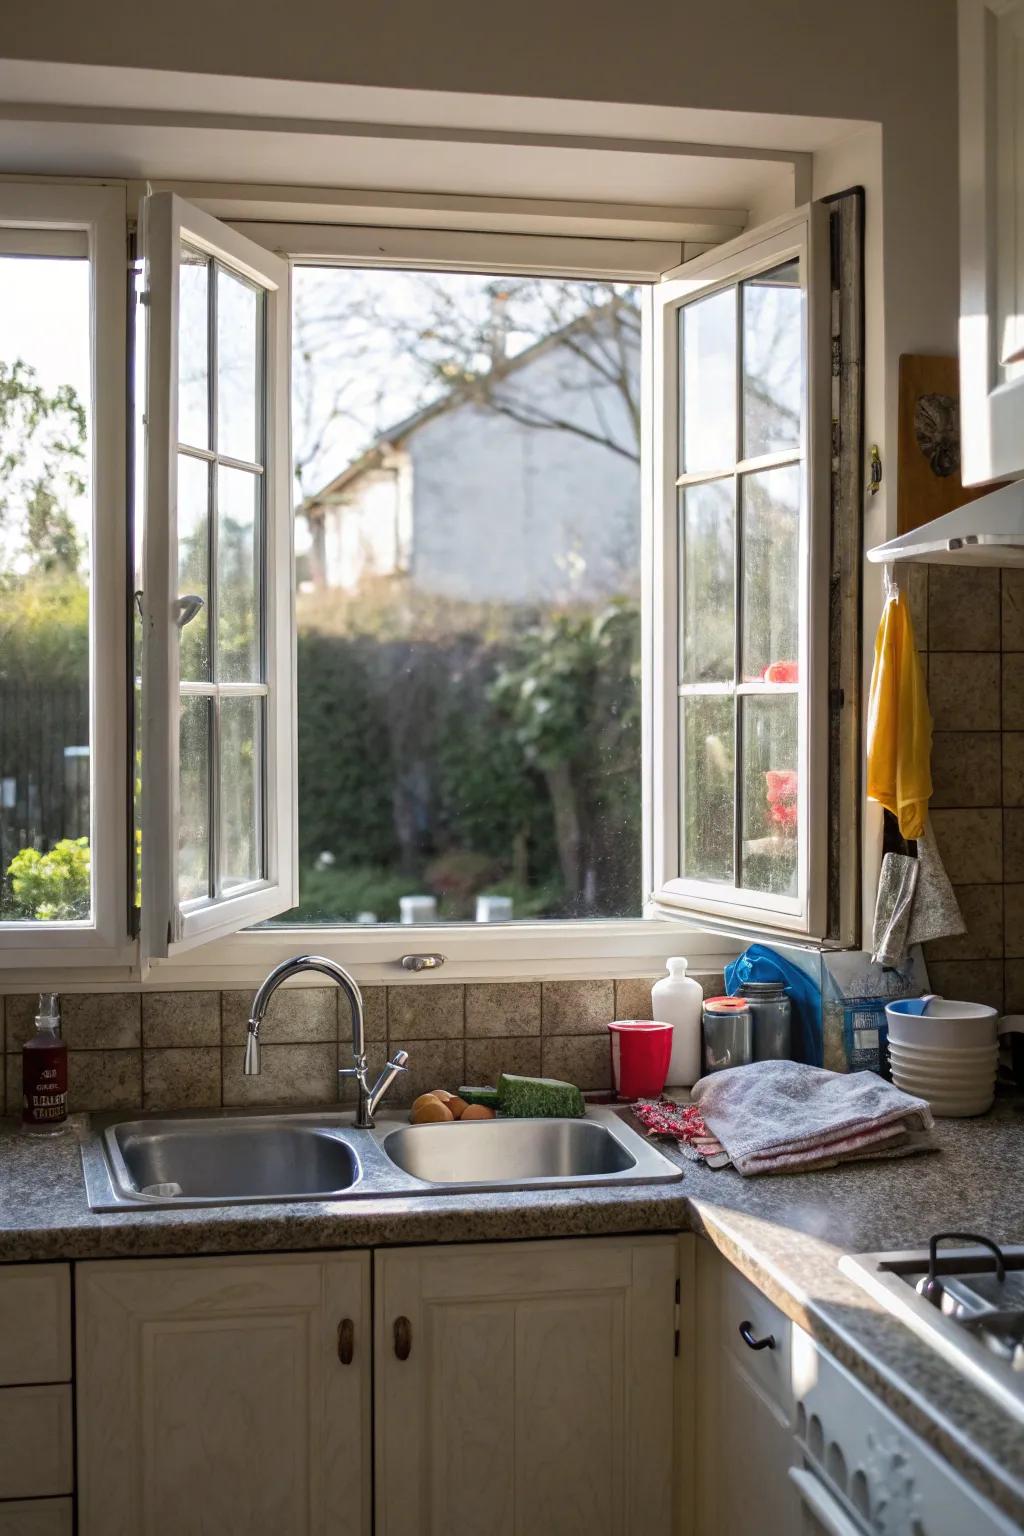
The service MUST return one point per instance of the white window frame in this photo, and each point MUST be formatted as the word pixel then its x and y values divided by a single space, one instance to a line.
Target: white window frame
pixel 51 212
pixel 804 237
pixel 170 927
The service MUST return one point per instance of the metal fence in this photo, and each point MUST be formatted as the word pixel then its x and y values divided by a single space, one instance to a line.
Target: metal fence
pixel 44 766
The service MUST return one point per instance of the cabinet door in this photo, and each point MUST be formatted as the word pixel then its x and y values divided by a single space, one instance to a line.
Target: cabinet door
pixel 991 62
pixel 745 1444
pixel 525 1389
pixel 213 1397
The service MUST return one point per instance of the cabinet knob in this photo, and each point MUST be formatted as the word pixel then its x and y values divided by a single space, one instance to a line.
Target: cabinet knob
pixel 751 1339
pixel 403 1338
pixel 346 1340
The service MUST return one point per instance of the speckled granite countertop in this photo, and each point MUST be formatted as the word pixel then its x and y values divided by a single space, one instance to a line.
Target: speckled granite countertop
pixel 786 1234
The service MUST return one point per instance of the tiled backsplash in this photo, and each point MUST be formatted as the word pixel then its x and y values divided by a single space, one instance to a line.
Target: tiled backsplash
pixel 181 1050
pixel 970 630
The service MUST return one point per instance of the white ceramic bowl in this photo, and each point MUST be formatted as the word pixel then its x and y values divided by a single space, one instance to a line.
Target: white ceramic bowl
pixel 925 1082
pixel 945 1023
pixel 970 1100
pixel 943 1052
pixel 956 1109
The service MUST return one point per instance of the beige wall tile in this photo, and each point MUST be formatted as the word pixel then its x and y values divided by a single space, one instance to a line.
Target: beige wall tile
pixel 12 1083
pixel 967 768
pixel 290 1074
pixel 1013 845
pixel 432 1064
pixel 89 1020
pixel 914 580
pixel 295 1015
pixel 104 1080
pixel 1013 767
pixel 375 1015
pixel 486 1060
pixel 585 1060
pixel 1013 1000
pixel 969 981
pixel 1013 691
pixel 982 908
pixel 426 1012
pixel 180 1018
pixel 970 843
pixel 1013 609
pixel 503 1008
pixel 181 1077
pixel 1013 909
pixel 577 1007
pixel 633 997
pixel 963 690
pixel 963 609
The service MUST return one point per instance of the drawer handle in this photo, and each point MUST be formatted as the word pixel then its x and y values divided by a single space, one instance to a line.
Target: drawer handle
pixel 403 1338
pixel 346 1340
pixel 751 1339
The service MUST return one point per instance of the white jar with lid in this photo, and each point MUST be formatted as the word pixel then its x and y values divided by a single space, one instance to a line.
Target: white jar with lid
pixel 677 1000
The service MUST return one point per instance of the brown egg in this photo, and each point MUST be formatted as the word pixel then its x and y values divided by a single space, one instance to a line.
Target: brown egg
pixel 442 1094
pixel 423 1099
pixel 457 1106
pixel 477 1112
pixel 432 1112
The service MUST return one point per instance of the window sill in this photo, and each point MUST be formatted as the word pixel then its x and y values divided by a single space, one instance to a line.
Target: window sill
pixel 535 951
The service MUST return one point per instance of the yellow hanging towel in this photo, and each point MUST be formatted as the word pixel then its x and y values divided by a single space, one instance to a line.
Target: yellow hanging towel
pixel 899 723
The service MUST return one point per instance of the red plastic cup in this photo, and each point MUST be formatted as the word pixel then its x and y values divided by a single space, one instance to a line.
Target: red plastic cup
pixel 641 1051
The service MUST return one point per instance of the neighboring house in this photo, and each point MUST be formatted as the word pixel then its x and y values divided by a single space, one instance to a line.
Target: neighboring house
pixel 481 497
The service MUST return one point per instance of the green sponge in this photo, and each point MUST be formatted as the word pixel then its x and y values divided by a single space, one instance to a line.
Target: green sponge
pixel 524 1098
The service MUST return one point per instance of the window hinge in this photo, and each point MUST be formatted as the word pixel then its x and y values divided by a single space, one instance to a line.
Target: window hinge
pixel 675 1350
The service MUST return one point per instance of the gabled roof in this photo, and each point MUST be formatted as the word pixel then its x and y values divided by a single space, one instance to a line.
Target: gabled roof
pixel 460 394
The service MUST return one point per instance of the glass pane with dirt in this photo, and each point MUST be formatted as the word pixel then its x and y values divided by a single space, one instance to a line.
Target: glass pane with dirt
pixel 45 589
pixel 707 587
pixel 706 812
pixel 467 532
pixel 772 361
pixel 771 575
pixel 770 794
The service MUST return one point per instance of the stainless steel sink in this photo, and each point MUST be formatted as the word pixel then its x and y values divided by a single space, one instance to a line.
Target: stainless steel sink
pixel 232 1157
pixel 213 1161
pixel 516 1153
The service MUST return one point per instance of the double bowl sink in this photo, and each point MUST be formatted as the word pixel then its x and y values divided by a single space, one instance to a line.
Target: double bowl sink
pixel 235 1158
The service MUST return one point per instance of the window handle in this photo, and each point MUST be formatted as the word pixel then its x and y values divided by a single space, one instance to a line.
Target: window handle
pixel 186 608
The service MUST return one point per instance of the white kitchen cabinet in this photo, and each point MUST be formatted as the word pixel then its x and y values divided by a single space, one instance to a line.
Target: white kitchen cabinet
pixel 525 1388
pixel 991 64
pixel 212 1396
pixel 744 1419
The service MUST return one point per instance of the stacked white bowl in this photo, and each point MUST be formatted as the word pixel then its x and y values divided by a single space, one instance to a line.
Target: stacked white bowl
pixel 948 1053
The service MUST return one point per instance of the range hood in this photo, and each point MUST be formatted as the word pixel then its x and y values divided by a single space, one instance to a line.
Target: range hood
pixel 988 531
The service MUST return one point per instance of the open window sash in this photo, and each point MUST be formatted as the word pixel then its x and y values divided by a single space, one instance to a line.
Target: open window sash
pixel 218 719
pixel 737 570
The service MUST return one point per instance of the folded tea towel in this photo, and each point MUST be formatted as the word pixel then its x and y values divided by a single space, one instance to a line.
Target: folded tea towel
pixel 934 912
pixel 897 883
pixel 774 1116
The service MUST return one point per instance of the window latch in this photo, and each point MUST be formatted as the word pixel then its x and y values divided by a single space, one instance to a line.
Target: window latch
pixel 422 962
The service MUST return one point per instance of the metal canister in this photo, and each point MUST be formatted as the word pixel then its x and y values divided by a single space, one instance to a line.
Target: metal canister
pixel 773 1019
pixel 727 1027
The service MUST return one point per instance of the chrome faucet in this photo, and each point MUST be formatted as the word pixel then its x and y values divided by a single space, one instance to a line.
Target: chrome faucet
pixel 369 1098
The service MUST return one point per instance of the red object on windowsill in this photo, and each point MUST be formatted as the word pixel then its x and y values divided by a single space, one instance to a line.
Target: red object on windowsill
pixel 782 672
pixel 782 789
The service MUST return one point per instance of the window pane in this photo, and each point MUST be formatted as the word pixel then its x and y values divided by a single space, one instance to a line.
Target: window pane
pixel 238 628
pixel 708 789
pixel 193 349
pixel 770 791
pixel 194 798
pixel 468 596
pixel 707 395
pixel 194 564
pixel 708 554
pixel 45 589
pixel 771 574
pixel 241 799
pixel 772 356
pixel 239 344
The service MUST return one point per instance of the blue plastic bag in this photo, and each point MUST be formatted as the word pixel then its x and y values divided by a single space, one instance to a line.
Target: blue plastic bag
pixel 759 963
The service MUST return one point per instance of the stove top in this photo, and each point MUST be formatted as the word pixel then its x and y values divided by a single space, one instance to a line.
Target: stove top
pixel 966 1300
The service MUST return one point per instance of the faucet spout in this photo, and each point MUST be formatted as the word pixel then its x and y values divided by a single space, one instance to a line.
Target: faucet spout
pixel 369 1098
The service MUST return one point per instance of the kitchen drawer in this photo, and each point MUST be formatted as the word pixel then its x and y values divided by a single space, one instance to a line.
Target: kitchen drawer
pixel 36 1517
pixel 35 1323
pixel 35 1442
pixel 740 1302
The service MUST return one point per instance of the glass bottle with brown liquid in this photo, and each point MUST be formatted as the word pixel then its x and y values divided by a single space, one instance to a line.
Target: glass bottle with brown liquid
pixel 45 1071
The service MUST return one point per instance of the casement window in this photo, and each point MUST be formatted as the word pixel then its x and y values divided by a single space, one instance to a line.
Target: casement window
pixel 63 589
pixel 723 361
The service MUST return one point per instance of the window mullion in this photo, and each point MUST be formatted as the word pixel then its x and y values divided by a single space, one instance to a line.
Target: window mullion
pixel 213 787
pixel 737 708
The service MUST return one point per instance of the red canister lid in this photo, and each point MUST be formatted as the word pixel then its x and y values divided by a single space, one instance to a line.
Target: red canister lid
pixel 726 1004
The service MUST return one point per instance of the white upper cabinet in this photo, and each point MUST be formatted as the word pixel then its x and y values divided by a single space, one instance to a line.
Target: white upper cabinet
pixel 991 238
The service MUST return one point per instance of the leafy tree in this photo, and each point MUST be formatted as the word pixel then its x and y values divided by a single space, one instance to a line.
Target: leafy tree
pixel 42 468
pixel 53 886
